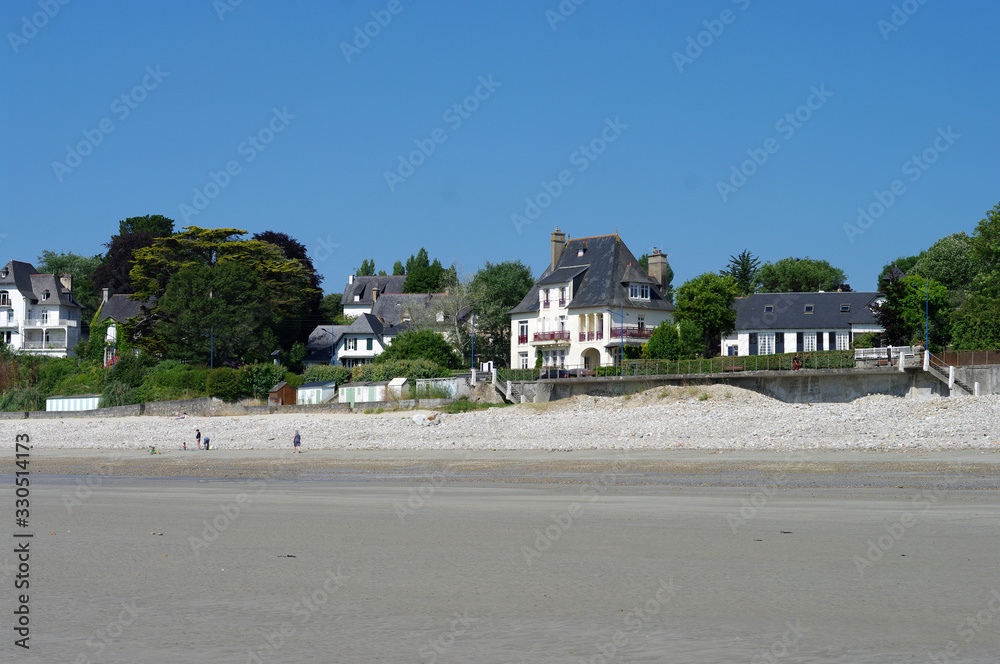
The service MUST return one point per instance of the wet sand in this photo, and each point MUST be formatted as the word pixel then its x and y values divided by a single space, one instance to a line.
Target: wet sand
pixel 430 557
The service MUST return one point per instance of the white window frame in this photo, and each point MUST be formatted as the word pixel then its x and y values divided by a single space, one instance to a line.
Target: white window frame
pixel 765 343
pixel 524 359
pixel 843 341
pixel 350 343
pixel 809 342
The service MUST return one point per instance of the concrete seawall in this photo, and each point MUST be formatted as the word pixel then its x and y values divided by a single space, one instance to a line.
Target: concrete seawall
pixel 806 386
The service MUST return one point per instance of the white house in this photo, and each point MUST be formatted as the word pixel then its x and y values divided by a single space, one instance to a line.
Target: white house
pixel 362 292
pixel 118 308
pixel 38 314
pixel 573 315
pixel 768 323
pixel 357 343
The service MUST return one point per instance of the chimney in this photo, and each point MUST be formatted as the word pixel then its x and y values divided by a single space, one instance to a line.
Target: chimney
pixel 558 244
pixel 67 282
pixel 105 294
pixel 350 279
pixel 658 267
pixel 374 294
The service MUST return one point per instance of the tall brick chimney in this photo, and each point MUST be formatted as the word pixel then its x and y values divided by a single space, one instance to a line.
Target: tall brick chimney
pixel 67 282
pixel 558 244
pixel 658 267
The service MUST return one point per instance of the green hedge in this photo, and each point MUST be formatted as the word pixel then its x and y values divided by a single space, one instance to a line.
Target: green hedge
pixel 225 383
pixel 410 369
pixel 324 373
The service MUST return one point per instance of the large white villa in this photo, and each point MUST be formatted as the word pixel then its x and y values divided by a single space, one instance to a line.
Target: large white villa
pixel 38 314
pixel 593 299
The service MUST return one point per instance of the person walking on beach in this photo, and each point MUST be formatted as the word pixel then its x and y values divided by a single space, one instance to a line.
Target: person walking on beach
pixel 297 442
pixel 197 437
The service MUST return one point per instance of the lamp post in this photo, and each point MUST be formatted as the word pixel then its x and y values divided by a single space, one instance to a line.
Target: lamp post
pixel 622 316
pixel 927 312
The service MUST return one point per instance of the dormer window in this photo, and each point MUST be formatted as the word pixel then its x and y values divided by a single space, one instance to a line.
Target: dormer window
pixel 638 291
pixel 45 295
pixel 768 308
pixel 845 308
pixel 810 308
pixel 4 273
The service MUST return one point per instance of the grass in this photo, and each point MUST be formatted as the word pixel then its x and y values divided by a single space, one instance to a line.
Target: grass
pixel 463 405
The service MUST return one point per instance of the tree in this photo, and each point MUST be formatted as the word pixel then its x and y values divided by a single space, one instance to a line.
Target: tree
pixel 330 308
pixel 743 269
pixel 367 268
pixel 114 272
pixel 986 241
pixel 905 265
pixel 82 269
pixel 282 286
pixel 397 268
pixel 235 319
pixel 495 290
pixel 799 275
pixel 976 323
pixel 948 261
pixel 707 302
pixel 295 250
pixel 155 224
pixel 664 344
pixel 902 316
pixel 421 345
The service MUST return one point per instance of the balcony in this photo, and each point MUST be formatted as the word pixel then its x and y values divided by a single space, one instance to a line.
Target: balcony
pixel 559 338
pixel 522 339
pixel 40 345
pixel 545 304
pixel 562 302
pixel 50 322
pixel 592 336
pixel 632 332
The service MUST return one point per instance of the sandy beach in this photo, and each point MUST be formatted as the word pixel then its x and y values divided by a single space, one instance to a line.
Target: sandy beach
pixel 563 552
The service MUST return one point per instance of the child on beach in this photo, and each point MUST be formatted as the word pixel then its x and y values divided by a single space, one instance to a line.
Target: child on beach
pixel 297 441
pixel 197 437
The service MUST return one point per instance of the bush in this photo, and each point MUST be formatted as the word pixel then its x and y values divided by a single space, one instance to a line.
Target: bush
pixel 258 379
pixel 128 370
pixel 22 399
pixel 324 373
pixel 85 381
pixel 409 369
pixel 421 345
pixel 116 393
pixel 293 379
pixel 225 383
pixel 172 380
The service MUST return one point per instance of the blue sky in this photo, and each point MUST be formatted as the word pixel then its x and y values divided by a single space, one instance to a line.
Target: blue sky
pixel 647 112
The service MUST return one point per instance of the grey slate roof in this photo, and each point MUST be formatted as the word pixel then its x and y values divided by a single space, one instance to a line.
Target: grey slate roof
pixel 27 280
pixel 363 286
pixel 789 311
pixel 391 307
pixel 120 308
pixel 319 343
pixel 600 277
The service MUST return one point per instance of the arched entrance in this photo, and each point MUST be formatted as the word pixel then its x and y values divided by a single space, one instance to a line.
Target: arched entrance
pixel 591 358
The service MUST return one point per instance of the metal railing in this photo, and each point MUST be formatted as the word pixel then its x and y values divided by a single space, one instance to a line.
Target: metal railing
pixel 38 345
pixel 551 336
pixel 632 332
pixel 49 322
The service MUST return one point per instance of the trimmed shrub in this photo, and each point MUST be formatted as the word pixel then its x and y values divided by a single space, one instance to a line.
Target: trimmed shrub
pixel 323 373
pixel 225 383
pixel 293 379
pixel 410 369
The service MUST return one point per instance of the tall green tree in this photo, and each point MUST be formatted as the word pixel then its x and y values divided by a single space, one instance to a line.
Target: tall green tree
pixel 421 345
pixel 948 261
pixel 423 276
pixel 235 319
pixel 398 269
pixel 367 268
pixel 799 275
pixel 298 329
pixel 155 224
pixel 495 290
pixel 986 241
pixel 81 268
pixel 975 324
pixel 330 308
pixel 707 302
pixel 743 269
pixel 902 314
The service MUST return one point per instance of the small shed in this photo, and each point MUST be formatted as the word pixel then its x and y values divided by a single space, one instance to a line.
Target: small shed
pixel 281 394
pixel 353 393
pixel 77 402
pixel 397 387
pixel 316 392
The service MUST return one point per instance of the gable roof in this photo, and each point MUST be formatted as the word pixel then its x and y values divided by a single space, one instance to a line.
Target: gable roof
pixel 789 311
pixel 363 285
pixel 18 275
pixel 600 269
pixel 325 337
pixel 31 284
pixel 120 308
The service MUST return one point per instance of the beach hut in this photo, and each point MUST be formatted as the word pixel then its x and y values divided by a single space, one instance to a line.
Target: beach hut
pixel 353 393
pixel 77 402
pixel 281 394
pixel 397 388
pixel 316 392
